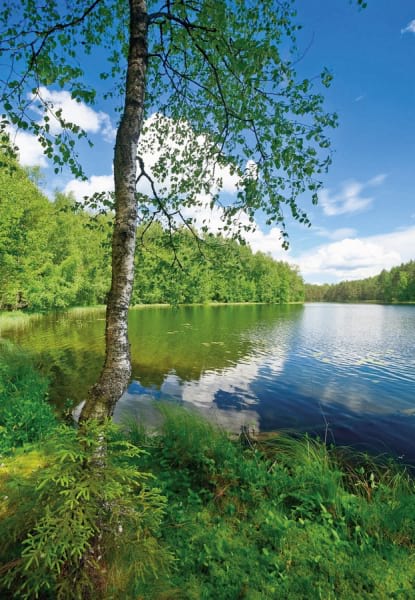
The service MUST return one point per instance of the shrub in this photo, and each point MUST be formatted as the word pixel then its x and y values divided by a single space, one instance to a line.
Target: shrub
pixel 83 526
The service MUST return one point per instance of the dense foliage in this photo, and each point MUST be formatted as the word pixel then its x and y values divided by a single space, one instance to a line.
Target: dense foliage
pixel 51 255
pixel 217 80
pixel 58 497
pixel 55 255
pixel 187 513
pixel 284 518
pixel 173 268
pixel 72 506
pixel 396 285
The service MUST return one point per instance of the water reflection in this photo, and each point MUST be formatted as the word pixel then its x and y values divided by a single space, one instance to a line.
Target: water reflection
pixel 343 370
pixel 228 348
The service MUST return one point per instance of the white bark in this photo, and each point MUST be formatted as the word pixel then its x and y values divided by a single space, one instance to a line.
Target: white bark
pixel 116 372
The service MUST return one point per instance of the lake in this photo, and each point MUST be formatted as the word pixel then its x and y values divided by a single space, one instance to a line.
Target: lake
pixel 344 372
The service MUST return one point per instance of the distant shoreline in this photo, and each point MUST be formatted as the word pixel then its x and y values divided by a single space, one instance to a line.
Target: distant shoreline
pixel 393 303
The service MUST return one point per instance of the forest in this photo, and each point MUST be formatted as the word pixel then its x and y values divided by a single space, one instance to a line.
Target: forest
pixel 396 285
pixel 54 255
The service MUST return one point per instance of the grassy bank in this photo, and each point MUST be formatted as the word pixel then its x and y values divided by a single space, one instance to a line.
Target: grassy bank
pixel 190 514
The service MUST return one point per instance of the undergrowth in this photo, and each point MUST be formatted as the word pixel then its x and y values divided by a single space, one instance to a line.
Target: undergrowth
pixel 25 415
pixel 69 524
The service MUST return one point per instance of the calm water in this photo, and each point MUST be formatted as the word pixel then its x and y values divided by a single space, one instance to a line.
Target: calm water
pixel 346 372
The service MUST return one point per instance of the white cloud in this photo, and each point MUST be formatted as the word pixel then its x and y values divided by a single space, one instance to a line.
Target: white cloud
pixel 347 201
pixel 401 240
pixel 30 150
pixel 75 112
pixel 377 180
pixel 203 215
pixel 267 242
pixel 167 146
pixel 359 257
pixel 164 145
pixel 410 28
pixel 96 184
pixel 108 131
pixel 350 198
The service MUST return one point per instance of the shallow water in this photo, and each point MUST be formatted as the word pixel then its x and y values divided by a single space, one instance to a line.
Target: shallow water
pixel 345 372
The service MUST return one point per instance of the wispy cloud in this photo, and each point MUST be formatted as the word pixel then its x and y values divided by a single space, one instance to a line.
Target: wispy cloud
pixel 410 28
pixel 350 198
pixel 336 234
pixel 377 180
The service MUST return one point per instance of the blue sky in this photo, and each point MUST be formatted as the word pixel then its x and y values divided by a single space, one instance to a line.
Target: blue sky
pixel 365 220
pixel 369 189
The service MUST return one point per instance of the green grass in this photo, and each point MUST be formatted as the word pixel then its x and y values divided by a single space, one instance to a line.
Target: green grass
pixel 286 518
pixel 282 518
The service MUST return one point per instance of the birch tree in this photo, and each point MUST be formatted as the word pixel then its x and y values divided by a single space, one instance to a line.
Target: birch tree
pixel 207 89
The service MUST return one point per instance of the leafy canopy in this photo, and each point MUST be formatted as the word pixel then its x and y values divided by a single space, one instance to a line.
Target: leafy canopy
pixel 222 92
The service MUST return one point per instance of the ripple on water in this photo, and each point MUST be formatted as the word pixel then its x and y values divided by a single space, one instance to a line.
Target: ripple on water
pixel 350 366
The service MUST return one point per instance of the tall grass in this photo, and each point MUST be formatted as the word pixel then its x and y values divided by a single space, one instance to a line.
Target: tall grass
pixel 286 518
pixel 15 320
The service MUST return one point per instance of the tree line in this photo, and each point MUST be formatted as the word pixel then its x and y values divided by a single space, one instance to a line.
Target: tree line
pixel 396 285
pixel 54 255
pixel 174 268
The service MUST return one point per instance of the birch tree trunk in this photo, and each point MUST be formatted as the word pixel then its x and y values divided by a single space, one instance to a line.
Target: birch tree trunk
pixel 116 371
